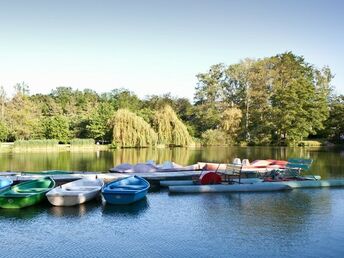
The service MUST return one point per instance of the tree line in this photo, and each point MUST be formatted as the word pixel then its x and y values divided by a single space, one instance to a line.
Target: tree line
pixel 275 100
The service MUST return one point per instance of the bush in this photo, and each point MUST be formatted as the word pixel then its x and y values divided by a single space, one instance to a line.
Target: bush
pixel 214 137
pixel 81 142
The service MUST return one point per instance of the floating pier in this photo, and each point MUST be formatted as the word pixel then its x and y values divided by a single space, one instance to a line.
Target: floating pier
pixel 256 187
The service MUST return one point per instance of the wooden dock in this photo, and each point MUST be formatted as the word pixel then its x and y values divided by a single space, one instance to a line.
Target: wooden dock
pixel 107 177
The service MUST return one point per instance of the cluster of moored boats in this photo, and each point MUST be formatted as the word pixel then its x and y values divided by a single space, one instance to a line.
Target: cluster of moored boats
pixel 239 176
pixel 124 191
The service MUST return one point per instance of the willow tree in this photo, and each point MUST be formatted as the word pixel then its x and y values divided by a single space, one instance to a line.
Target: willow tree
pixel 130 130
pixel 230 123
pixel 170 129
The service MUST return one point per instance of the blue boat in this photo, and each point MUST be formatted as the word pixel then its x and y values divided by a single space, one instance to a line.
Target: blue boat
pixel 125 191
pixel 5 183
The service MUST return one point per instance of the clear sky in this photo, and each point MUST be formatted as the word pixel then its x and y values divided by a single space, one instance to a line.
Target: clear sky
pixel 155 47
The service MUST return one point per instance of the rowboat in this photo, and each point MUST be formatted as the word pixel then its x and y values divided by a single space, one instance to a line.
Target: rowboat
pixel 76 192
pixel 26 194
pixel 49 172
pixel 125 191
pixel 5 183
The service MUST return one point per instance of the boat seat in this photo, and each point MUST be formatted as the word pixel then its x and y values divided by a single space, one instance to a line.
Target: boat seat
pixel 83 188
pixel 134 187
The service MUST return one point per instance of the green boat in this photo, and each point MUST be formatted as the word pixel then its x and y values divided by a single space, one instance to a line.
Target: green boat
pixel 26 194
pixel 50 172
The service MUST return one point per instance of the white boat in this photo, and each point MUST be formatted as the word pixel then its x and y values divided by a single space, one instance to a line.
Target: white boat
pixel 75 192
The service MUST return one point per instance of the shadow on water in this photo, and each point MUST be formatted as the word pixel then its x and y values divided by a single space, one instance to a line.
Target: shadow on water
pixel 134 209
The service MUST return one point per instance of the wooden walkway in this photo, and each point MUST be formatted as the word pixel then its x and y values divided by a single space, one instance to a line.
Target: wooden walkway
pixel 107 177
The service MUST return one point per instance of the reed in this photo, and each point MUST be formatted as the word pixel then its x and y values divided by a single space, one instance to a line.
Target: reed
pixel 29 144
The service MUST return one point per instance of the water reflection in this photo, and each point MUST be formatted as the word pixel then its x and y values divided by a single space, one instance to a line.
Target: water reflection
pixel 132 210
pixel 328 162
pixel 23 213
pixel 289 211
pixel 74 211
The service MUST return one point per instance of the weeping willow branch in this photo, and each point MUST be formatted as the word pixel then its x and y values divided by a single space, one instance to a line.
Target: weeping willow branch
pixel 170 129
pixel 130 130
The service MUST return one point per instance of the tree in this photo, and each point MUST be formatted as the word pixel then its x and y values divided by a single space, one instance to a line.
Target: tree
pixel 23 118
pixel 130 130
pixel 214 137
pixel 298 108
pixel 3 131
pixel 230 123
pixel 98 127
pixel 170 130
pixel 123 98
pixel 334 129
pixel 57 127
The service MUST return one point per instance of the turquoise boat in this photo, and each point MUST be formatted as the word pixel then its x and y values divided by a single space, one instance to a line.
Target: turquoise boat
pixel 26 194
pixel 125 191
pixel 5 183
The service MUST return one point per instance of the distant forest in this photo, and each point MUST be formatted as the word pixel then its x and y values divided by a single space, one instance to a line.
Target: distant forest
pixel 279 100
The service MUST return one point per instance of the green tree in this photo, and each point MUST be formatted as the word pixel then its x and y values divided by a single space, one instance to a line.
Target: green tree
pixel 57 127
pixel 130 130
pixel 23 118
pixel 214 137
pixel 170 129
pixel 98 127
pixel 3 131
pixel 298 108
pixel 230 123
pixel 334 130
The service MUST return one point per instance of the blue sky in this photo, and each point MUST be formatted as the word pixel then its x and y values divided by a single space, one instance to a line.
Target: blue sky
pixel 155 47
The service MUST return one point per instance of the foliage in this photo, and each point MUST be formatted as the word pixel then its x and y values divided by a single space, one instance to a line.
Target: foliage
pixel 214 137
pixel 334 130
pixel 3 132
pixel 98 127
pixel 170 129
pixel 298 108
pixel 230 123
pixel 275 100
pixel 57 127
pixel 81 142
pixel 23 118
pixel 310 143
pixel 35 144
pixel 130 130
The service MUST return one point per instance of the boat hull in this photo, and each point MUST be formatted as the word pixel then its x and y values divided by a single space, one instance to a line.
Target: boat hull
pixel 75 193
pixel 26 194
pixel 125 191
pixel 118 198
pixel 17 202
pixel 72 200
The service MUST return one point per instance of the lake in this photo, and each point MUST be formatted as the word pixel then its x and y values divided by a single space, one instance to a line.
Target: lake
pixel 297 223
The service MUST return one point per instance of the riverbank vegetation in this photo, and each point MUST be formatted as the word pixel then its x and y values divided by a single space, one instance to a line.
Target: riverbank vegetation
pixel 279 100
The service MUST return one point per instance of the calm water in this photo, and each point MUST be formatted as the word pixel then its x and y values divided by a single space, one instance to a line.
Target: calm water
pixel 299 223
pixel 328 162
